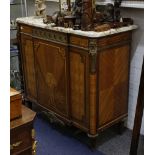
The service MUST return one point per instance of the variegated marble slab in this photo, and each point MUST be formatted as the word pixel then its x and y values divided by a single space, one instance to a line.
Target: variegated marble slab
pixel 38 22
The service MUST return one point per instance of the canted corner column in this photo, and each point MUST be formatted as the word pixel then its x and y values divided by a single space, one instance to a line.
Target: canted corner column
pixel 92 87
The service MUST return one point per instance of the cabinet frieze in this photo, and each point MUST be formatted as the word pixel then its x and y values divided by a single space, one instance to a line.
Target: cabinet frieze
pixel 50 36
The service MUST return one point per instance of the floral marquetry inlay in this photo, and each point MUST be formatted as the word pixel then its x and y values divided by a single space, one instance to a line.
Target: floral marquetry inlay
pixel 55 95
pixel 51 80
pixel 62 53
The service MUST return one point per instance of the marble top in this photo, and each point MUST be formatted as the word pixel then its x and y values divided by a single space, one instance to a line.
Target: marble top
pixel 38 22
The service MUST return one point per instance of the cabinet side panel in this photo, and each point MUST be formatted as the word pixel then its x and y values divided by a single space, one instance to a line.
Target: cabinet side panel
pixel 113 83
pixel 29 70
pixel 51 74
pixel 77 86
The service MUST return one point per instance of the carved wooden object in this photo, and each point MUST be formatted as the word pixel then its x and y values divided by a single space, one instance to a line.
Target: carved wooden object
pixel 87 15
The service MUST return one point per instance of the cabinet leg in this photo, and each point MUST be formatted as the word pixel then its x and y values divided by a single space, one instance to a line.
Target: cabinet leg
pixel 120 127
pixel 92 141
pixel 29 104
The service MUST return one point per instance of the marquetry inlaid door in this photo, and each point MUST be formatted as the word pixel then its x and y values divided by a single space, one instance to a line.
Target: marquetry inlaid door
pixel 27 58
pixel 51 76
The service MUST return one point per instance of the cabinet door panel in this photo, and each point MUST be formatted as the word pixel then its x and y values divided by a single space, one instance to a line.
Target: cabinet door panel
pixel 113 83
pixel 78 86
pixel 51 75
pixel 28 67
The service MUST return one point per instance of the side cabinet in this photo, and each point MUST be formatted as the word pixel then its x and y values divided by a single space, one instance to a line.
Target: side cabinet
pixel 79 79
pixel 52 75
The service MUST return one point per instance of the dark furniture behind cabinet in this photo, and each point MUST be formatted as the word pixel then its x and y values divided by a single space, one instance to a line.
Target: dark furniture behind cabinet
pixel 81 80
pixel 22 134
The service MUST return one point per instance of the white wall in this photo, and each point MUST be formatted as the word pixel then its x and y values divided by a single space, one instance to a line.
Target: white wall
pixel 136 61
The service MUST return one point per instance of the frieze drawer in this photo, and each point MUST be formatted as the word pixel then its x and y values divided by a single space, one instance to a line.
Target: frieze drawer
pixel 26 29
pixel 79 41
pixel 115 39
pixel 50 36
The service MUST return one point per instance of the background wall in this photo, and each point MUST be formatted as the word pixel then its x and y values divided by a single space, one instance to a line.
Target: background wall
pixel 137 51
pixel 137 54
